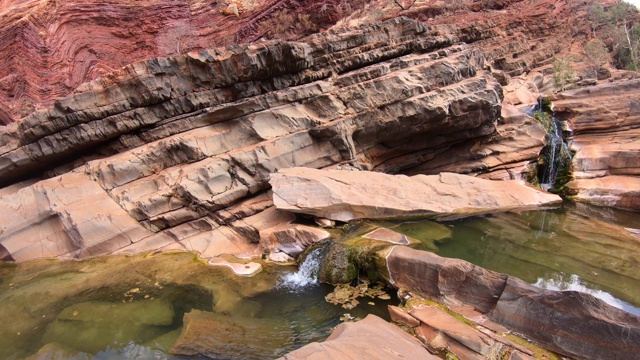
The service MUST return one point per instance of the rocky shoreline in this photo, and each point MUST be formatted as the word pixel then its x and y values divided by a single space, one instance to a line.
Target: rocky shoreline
pixel 219 152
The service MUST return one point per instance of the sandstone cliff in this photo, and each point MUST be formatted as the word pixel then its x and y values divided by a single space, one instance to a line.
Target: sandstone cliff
pixel 51 47
pixel 175 153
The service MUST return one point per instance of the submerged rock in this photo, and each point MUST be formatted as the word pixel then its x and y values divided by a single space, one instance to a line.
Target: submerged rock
pixel 348 195
pixel 370 338
pixel 217 336
pixel 56 351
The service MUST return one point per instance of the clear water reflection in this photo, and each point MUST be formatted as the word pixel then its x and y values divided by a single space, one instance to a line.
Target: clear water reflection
pixel 600 247
pixel 133 308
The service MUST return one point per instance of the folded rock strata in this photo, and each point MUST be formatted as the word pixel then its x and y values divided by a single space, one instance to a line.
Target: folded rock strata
pixel 176 153
pixel 47 52
pixel 347 195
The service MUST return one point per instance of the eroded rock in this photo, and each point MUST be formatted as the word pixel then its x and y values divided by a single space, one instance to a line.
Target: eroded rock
pixel 371 338
pixel 568 322
pixel 348 195
pixel 604 120
pixel 217 336
pixel 178 151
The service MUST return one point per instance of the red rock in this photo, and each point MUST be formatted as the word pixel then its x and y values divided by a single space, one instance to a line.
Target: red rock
pixel 450 280
pixel 347 195
pixel 400 316
pixel 370 338
pixel 464 334
pixel 569 322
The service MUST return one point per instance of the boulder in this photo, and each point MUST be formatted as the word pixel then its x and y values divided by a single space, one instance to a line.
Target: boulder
pixel 370 338
pixel 452 281
pixel 347 195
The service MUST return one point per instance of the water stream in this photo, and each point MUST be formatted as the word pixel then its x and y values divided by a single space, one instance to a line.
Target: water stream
pixel 556 155
pixel 306 276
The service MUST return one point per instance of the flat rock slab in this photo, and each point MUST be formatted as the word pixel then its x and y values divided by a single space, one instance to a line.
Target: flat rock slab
pixel 371 338
pixel 466 335
pixel 247 269
pixel 347 195
pixel 615 191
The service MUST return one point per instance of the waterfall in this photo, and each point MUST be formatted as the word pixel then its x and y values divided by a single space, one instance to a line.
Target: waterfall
pixel 556 155
pixel 307 273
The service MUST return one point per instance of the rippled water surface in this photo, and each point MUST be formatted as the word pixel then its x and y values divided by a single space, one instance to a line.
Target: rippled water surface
pixel 575 247
pixel 133 308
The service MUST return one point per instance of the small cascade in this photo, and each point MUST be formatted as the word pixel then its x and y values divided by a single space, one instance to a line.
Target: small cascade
pixel 307 274
pixel 555 158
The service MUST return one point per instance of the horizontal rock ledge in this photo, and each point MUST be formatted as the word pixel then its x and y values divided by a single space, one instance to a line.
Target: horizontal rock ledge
pixel 348 195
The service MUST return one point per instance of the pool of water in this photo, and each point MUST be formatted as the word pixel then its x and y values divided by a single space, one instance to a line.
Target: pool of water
pixel 139 307
pixel 576 247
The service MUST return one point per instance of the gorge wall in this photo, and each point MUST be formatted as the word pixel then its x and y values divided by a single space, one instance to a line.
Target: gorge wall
pixel 51 47
pixel 176 152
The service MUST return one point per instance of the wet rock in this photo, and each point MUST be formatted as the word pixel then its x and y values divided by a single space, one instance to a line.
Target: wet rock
pixel 218 336
pixel 466 335
pixel 345 195
pixel 400 316
pixel 337 265
pixel 292 239
pixel 569 322
pixel 370 338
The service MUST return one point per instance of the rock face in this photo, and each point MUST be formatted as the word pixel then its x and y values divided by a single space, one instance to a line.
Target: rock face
pixel 605 121
pixel 347 195
pixel 370 338
pixel 47 52
pixel 571 323
pixel 175 153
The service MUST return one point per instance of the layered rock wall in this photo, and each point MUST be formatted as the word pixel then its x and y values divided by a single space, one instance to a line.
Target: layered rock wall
pixel 183 147
pixel 605 125
pixel 51 47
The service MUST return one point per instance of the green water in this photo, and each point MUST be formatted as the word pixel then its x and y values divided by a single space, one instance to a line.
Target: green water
pixel 133 307
pixel 576 247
